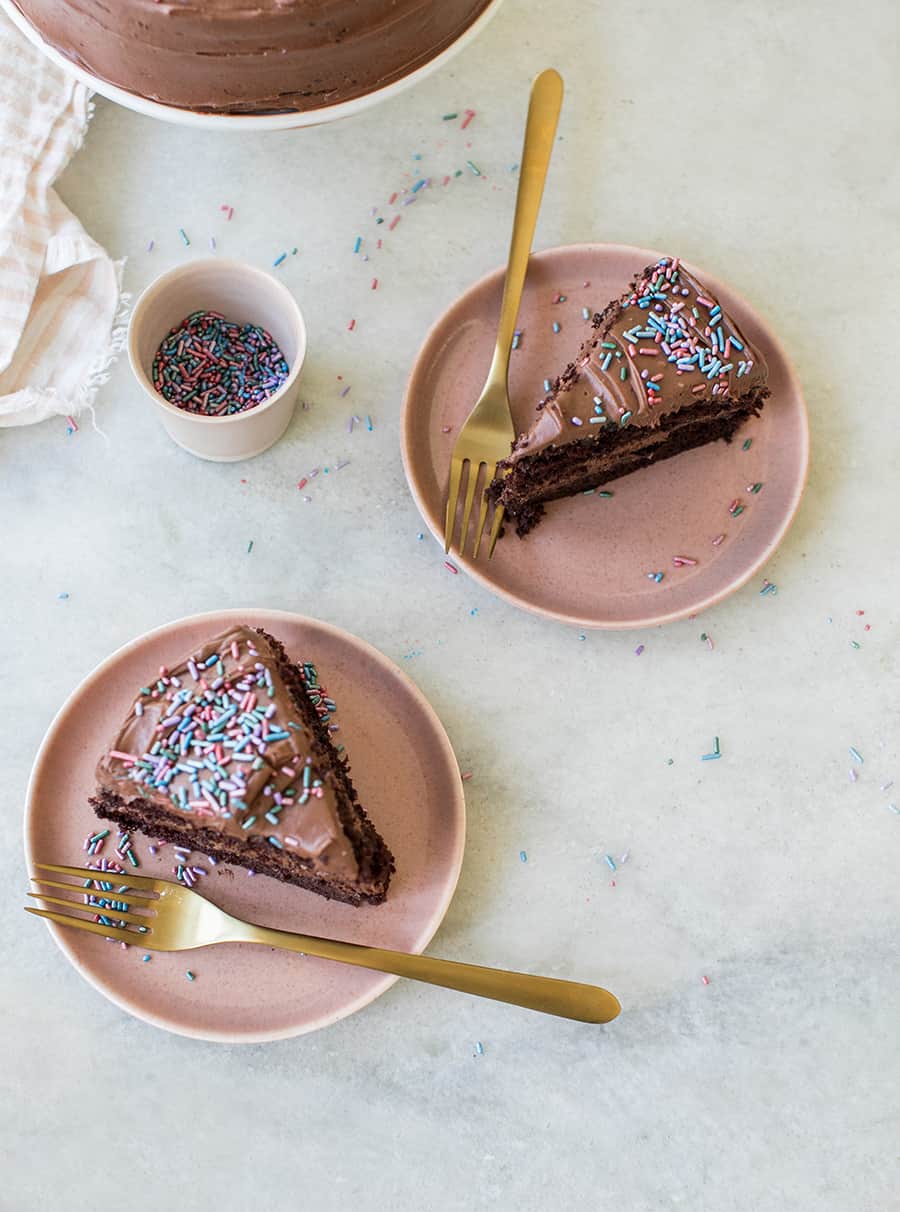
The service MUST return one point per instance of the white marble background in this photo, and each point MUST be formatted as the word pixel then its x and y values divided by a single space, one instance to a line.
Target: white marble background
pixel 758 140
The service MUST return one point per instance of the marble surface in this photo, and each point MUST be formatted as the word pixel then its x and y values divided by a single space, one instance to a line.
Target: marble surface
pixel 756 140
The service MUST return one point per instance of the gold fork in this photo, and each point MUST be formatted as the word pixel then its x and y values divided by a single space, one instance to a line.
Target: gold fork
pixel 174 918
pixel 488 432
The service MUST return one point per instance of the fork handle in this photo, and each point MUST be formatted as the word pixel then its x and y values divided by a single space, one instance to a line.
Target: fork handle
pixel 567 999
pixel 540 131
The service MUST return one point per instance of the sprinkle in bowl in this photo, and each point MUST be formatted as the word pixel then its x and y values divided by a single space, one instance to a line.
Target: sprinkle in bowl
pixel 245 296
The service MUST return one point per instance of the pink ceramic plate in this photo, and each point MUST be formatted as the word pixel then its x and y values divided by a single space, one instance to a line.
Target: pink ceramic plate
pixel 406 775
pixel 587 562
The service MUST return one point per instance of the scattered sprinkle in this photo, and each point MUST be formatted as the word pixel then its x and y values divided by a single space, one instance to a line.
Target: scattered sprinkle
pixel 62 596
pixel 716 753
pixel 523 855
pixel 184 236
pixel 279 260
pixel 190 975
pixel 479 1048
pixel 470 114
pixel 145 959
pixel 705 979
pixel 466 775
pixel 747 444
pixel 610 861
pixel 357 244
pixel 449 117
pixel 768 587
pixel 249 547
pixel 683 561
pixel 856 755
pixel 473 168
pixel 639 650
pixel 451 567
pixel 351 326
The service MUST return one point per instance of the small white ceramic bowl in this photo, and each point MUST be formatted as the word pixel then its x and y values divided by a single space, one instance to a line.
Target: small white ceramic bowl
pixel 245 295
pixel 246 122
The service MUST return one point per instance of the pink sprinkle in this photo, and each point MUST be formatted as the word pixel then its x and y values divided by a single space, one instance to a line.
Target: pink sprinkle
pixel 446 181
pixel 378 245
pixel 351 326
pixel 706 302
pixel 374 283
pixel 466 775
pixel 392 199
pixel 122 757
pixel 680 561
pixel 290 840
pixel 701 387
pixel 470 114
pixel 446 428
pixel 718 539
pixel 639 650
pixel 302 483
pixel 72 425
pixel 393 223
pixel 705 979
pixel 451 567
pixel 585 284
pixel 734 504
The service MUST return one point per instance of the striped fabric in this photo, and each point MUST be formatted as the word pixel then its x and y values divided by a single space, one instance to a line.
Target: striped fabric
pixel 59 291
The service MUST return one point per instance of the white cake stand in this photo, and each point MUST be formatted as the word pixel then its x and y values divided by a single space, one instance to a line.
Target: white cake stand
pixel 247 122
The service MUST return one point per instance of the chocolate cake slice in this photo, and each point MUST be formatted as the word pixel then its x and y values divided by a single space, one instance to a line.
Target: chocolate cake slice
pixel 664 370
pixel 229 753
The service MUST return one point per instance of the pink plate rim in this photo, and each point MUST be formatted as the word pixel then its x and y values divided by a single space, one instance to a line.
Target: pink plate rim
pixel 435 522
pixel 456 807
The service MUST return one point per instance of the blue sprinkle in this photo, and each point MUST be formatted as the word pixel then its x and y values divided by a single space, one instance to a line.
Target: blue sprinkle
pixel 523 855
pixel 856 755
pixel 358 244
pixel 555 326
pixel 278 260
pixel 604 365
pixel 479 1048
pixel 189 975
pixel 62 596
pixel 625 418
pixel 146 959
pixel 273 841
pixel 547 385
pixel 610 862
pixel 419 185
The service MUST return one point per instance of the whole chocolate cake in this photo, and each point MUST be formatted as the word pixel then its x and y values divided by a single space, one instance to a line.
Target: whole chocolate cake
pixel 251 56
pixel 665 370
pixel 229 753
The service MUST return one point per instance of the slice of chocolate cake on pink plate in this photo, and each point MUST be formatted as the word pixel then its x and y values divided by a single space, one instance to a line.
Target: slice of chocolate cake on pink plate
pixel 229 753
pixel 665 369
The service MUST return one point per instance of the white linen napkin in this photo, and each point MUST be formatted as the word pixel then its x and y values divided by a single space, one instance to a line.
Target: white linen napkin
pixel 59 290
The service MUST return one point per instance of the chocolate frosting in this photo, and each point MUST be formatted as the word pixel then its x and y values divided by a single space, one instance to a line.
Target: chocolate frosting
pixel 251 56
pixel 665 345
pixel 218 740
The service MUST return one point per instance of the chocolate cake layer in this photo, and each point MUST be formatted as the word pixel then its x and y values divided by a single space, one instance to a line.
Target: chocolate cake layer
pixel 229 754
pixel 251 56
pixel 664 370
